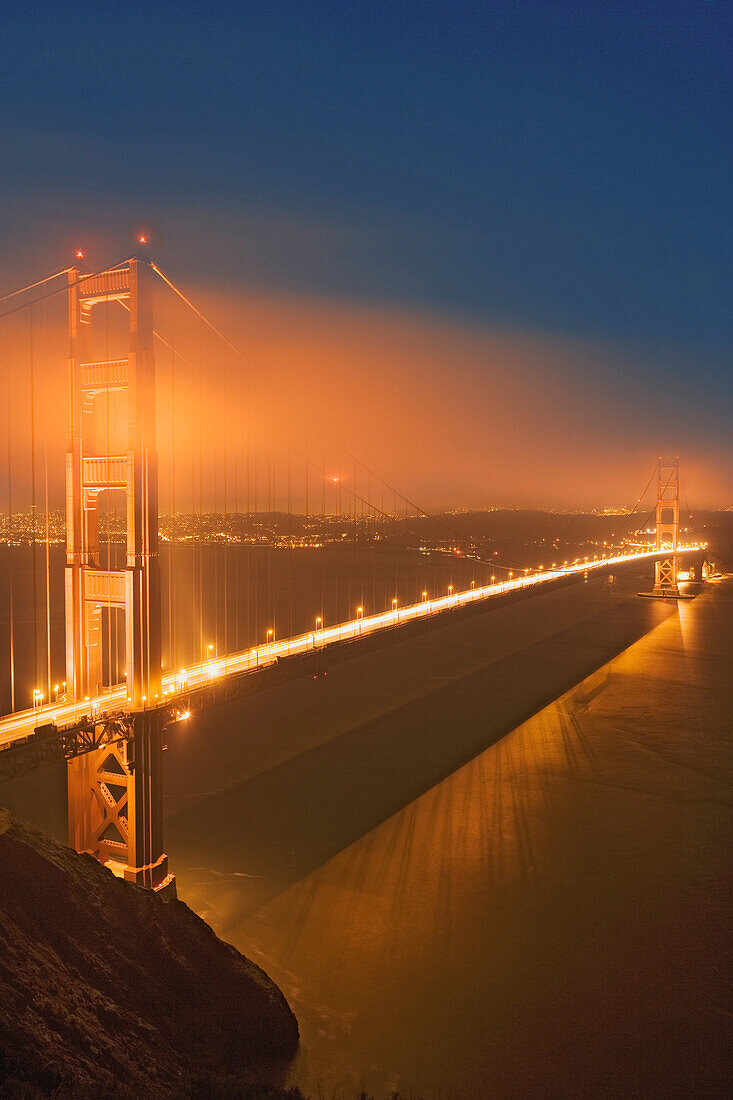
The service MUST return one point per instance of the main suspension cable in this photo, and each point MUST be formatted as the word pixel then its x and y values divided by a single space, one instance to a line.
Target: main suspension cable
pixel 32 286
pixel 199 314
pixel 63 289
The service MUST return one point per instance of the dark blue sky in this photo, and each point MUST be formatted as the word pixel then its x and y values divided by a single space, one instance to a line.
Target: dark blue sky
pixel 563 166
pixel 548 167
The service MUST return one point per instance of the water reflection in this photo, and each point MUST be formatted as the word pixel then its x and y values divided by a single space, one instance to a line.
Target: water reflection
pixel 539 922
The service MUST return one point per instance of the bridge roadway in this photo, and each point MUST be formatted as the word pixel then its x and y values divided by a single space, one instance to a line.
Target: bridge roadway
pixel 16 728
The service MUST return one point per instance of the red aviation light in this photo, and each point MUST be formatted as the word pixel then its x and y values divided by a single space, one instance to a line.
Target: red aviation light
pixel 79 254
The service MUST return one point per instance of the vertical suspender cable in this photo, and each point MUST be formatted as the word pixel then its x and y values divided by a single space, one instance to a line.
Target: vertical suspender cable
pixel 256 560
pixel 215 547
pixel 249 552
pixel 290 549
pixel 195 412
pixel 48 563
pixel 192 450
pixel 11 621
pixel 307 479
pixel 237 549
pixel 270 604
pixel 201 486
pixel 33 505
pixel 225 544
pixel 171 508
pixel 324 551
pixel 110 671
pixel 48 570
pixel 171 524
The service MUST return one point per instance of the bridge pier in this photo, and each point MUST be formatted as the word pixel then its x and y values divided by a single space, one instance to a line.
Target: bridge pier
pixel 115 802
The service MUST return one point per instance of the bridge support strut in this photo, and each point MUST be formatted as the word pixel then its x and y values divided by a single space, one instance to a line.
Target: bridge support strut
pixel 115 804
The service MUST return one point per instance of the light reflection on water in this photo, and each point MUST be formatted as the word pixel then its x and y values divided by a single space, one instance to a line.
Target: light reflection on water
pixel 550 908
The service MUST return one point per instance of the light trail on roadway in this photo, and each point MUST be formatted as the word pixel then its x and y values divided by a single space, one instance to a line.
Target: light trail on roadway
pixel 21 725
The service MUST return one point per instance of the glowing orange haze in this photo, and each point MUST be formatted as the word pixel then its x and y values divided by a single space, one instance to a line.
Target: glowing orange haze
pixel 453 415
pixel 457 416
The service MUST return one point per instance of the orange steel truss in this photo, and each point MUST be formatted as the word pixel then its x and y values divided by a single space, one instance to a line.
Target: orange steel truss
pixel 114 792
pixel 668 525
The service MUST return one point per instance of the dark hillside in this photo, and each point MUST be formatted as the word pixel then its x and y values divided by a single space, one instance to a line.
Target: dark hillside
pixel 106 989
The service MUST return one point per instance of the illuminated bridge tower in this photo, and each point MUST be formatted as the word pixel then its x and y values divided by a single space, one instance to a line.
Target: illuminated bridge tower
pixel 668 524
pixel 114 792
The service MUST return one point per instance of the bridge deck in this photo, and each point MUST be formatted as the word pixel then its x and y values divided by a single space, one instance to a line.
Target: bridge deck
pixel 21 725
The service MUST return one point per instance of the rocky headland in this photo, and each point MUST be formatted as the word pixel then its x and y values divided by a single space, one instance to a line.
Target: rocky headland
pixel 108 990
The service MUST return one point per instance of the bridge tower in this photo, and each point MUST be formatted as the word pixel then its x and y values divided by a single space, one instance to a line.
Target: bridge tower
pixel 114 792
pixel 668 524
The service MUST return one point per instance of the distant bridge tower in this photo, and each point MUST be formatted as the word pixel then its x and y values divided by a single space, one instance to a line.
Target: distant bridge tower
pixel 115 791
pixel 668 524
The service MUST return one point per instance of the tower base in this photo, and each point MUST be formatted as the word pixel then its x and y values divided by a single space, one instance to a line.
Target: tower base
pixel 664 590
pixel 667 594
pixel 155 877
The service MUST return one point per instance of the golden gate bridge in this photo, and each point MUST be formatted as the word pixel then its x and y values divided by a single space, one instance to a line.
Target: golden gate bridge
pixel 112 734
